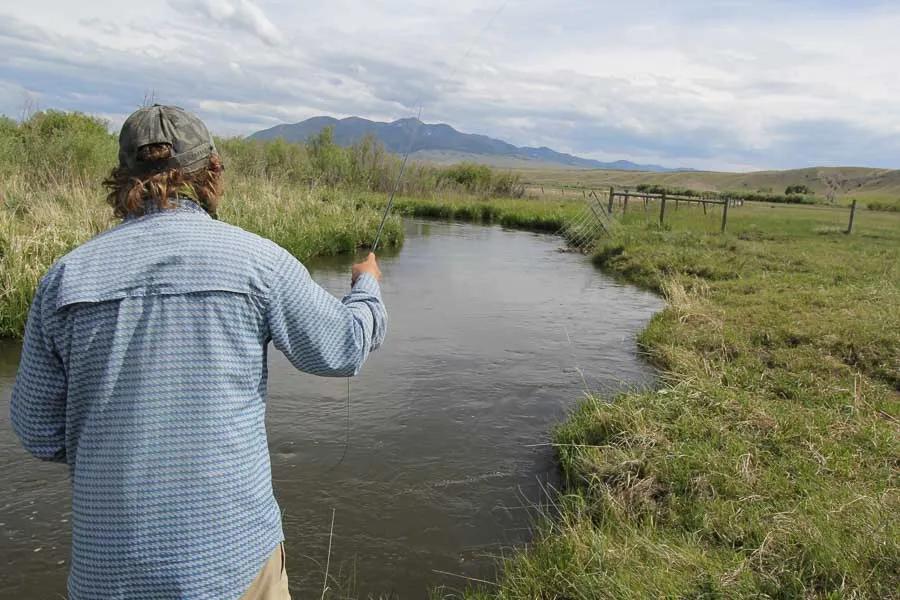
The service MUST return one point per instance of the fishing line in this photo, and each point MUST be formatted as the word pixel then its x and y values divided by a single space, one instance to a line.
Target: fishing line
pixel 587 390
pixel 347 438
pixel 399 180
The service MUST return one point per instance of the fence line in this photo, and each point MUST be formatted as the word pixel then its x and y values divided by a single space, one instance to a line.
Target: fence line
pixel 601 207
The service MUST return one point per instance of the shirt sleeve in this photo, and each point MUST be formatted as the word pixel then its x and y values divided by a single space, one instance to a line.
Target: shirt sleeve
pixel 38 403
pixel 318 333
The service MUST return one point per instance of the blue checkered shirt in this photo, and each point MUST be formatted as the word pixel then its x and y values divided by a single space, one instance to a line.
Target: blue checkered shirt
pixel 144 369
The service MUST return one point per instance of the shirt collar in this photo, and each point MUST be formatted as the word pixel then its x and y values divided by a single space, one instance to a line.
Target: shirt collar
pixel 179 205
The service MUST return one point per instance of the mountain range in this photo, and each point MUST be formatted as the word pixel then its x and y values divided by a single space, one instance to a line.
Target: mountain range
pixel 441 143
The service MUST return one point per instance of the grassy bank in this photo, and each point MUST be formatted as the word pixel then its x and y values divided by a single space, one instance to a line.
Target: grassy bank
pixel 766 465
pixel 51 201
pixel 38 225
pixel 510 212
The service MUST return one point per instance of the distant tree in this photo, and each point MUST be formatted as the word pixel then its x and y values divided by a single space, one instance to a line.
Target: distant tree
pixel 798 190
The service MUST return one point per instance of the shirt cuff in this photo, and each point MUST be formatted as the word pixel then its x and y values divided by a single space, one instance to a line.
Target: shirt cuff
pixel 368 284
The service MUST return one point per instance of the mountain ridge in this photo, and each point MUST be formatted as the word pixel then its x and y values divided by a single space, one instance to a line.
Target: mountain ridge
pixel 440 138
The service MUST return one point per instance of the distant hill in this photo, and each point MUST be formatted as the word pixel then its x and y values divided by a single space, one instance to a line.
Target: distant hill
pixel 437 142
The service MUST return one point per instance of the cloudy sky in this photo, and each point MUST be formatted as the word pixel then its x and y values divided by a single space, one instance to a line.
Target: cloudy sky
pixel 718 84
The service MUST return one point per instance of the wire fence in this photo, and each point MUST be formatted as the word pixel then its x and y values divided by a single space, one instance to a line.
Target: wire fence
pixel 599 214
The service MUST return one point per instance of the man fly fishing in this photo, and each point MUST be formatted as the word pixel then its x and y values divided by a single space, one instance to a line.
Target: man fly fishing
pixel 144 369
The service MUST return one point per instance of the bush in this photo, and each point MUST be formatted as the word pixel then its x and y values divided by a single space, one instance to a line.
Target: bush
pixel 58 146
pixel 482 180
pixel 473 177
pixel 797 190
pixel 884 206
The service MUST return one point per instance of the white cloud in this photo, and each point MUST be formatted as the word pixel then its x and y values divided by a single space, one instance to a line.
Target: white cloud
pixel 242 15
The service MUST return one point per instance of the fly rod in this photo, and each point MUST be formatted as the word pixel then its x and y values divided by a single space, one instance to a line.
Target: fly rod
pixel 398 181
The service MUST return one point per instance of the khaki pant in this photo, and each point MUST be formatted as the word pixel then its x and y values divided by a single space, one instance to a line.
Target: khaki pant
pixel 272 581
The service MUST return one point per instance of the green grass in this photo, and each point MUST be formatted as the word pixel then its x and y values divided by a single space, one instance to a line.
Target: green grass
pixel 766 465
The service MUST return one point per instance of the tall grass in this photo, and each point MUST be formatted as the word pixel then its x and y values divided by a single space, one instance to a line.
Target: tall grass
pixel 38 224
pixel 364 166
pixel 51 166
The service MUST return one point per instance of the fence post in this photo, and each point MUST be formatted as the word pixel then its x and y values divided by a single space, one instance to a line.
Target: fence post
pixel 542 190
pixel 852 217
pixel 612 194
pixel 662 209
pixel 725 213
pixel 704 207
pixel 676 203
pixel 625 204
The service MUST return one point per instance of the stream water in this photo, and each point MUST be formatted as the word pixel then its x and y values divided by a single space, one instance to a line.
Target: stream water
pixel 447 419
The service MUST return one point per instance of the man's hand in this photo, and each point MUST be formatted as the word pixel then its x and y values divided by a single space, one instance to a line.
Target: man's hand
pixel 370 266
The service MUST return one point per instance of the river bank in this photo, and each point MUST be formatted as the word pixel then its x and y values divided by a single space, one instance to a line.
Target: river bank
pixel 766 464
pixel 40 224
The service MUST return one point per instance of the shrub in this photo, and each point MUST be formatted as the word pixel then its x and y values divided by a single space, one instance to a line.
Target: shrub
pixel 797 190
pixel 58 146
pixel 884 206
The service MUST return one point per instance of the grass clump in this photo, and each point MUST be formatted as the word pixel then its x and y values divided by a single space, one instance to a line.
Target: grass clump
pixel 766 465
pixel 509 212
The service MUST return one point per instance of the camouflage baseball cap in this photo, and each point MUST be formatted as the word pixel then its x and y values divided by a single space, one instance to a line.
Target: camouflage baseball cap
pixel 191 142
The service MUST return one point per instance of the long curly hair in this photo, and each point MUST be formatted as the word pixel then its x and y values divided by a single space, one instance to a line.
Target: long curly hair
pixel 153 184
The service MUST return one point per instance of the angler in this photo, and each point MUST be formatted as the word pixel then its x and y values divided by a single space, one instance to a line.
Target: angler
pixel 144 370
